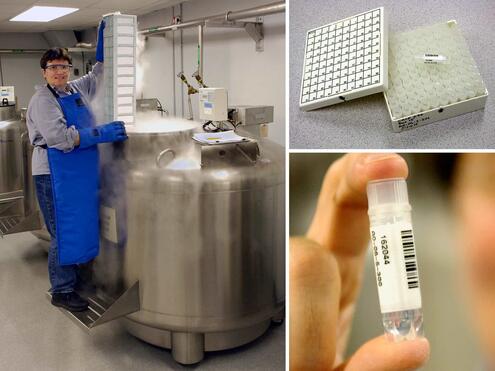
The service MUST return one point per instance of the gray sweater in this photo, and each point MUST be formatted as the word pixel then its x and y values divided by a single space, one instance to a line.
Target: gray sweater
pixel 46 123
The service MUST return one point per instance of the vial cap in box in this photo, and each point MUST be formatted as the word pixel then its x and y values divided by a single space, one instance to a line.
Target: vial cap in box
pixel 388 195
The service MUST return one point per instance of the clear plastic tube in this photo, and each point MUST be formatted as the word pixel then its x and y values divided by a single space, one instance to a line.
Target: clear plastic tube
pixel 396 267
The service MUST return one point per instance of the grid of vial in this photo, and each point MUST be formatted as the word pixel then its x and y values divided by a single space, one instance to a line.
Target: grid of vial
pixel 415 86
pixel 120 45
pixel 342 56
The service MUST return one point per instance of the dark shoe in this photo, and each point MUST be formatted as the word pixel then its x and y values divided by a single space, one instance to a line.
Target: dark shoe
pixel 70 301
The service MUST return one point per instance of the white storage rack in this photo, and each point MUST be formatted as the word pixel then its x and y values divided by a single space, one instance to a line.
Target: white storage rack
pixel 120 67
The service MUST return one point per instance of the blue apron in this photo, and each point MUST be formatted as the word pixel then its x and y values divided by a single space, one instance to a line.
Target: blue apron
pixel 75 183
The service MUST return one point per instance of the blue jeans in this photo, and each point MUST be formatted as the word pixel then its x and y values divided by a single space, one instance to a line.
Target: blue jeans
pixel 63 278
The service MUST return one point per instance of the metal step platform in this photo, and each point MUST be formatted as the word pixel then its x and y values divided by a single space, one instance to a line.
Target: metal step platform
pixel 8 223
pixel 102 310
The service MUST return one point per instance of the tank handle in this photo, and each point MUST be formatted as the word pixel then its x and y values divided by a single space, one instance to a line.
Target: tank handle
pixel 162 153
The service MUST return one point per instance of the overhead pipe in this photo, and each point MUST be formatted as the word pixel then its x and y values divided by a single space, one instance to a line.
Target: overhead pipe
pixel 259 11
pixel 200 50
pixel 173 66
pixel 22 51
pixel 182 65
pixel 76 49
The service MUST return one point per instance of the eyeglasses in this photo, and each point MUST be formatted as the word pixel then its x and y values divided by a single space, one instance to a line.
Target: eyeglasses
pixel 55 67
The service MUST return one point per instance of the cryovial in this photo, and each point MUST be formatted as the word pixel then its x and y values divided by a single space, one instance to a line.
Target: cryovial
pixel 396 267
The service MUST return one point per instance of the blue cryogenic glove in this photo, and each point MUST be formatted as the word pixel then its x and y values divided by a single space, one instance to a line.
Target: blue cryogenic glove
pixel 111 132
pixel 99 42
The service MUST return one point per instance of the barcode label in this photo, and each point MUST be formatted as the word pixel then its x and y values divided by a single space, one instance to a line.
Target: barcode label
pixel 410 259
pixel 396 266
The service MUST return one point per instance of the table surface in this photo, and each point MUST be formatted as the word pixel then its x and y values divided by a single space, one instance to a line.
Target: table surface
pixel 364 123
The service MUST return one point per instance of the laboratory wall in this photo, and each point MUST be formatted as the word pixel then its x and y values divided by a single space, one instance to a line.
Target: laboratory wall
pixel 230 61
pixel 22 70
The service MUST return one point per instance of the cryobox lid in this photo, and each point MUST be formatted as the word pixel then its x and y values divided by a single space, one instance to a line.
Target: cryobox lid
pixel 345 59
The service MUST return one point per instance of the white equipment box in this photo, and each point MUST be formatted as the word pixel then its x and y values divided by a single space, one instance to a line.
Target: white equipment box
pixel 7 94
pixel 120 67
pixel 252 115
pixel 213 104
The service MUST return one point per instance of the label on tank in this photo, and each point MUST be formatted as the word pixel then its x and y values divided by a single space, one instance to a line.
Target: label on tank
pixel 108 223
pixel 396 267
pixel 208 108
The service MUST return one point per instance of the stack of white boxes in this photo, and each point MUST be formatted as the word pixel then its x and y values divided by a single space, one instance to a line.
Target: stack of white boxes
pixel 120 67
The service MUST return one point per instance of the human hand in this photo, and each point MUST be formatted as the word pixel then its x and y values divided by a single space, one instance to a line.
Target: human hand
pixel 326 269
pixel 473 197
pixel 111 132
pixel 99 42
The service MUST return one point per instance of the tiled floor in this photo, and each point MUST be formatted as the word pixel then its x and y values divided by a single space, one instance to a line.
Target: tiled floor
pixel 36 336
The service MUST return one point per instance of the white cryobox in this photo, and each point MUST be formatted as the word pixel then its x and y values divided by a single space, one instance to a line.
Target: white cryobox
pixel 426 75
pixel 421 92
pixel 213 104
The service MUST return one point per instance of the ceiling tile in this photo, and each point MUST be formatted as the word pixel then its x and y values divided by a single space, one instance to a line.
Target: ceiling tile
pixel 89 14
pixel 81 4
pixel 14 27
pixel 9 11
pixel 17 2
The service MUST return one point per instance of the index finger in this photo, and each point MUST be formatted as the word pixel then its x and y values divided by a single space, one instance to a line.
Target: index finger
pixel 340 222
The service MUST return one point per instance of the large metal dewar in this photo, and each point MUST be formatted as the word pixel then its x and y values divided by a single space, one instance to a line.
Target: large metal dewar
pixel 200 230
pixel 18 208
pixel 192 240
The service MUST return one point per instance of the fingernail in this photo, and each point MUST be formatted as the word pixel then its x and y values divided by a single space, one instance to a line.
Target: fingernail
pixel 375 157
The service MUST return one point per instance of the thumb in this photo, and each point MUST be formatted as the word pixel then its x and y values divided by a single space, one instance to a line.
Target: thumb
pixel 314 305
pixel 382 354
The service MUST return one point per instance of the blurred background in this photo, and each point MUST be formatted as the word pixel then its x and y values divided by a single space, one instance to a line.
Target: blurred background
pixel 454 345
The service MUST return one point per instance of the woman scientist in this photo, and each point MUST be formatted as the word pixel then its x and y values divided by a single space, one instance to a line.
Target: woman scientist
pixel 65 167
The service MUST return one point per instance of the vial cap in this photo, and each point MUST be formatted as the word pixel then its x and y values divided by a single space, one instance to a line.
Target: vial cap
pixel 388 194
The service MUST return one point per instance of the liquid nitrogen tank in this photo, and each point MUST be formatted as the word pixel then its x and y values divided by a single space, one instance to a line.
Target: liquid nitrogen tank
pixel 192 239
pixel 18 208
